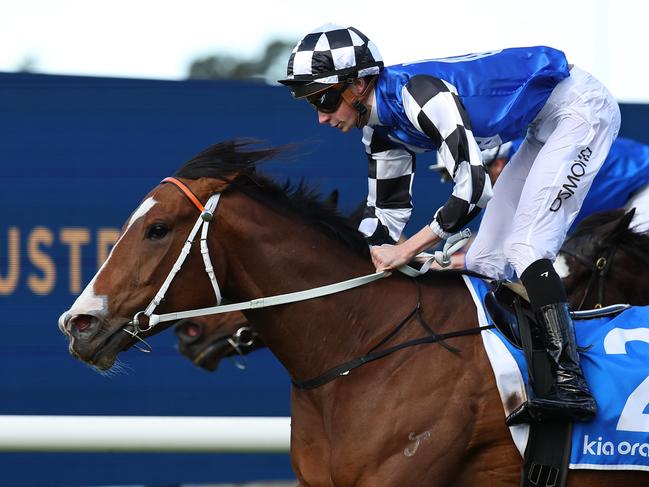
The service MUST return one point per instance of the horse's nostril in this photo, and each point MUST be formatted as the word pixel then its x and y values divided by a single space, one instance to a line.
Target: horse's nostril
pixel 189 330
pixel 83 325
pixel 193 330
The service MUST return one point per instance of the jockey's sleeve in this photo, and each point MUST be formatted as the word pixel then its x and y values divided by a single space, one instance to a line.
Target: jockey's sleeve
pixel 389 202
pixel 434 108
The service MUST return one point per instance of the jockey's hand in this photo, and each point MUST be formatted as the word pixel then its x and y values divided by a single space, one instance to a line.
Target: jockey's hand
pixel 386 256
pixel 453 244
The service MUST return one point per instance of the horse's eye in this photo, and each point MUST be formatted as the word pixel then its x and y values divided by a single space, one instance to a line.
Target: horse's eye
pixel 157 231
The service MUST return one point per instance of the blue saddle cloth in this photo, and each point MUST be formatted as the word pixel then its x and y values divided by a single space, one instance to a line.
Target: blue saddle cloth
pixel 616 366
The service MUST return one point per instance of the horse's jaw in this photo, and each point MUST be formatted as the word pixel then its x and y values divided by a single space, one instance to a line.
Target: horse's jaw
pixel 205 353
pixel 93 341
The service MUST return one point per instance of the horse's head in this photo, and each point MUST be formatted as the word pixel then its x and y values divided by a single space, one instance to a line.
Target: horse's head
pixel 596 260
pixel 208 339
pixel 101 321
pixel 140 261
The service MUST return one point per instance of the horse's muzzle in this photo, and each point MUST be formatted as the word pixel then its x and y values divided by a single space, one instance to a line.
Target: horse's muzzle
pixel 63 319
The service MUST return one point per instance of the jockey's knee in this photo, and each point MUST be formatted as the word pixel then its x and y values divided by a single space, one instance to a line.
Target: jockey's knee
pixel 521 255
pixel 492 266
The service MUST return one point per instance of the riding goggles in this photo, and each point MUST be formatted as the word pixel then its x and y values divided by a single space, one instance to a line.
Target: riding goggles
pixel 329 100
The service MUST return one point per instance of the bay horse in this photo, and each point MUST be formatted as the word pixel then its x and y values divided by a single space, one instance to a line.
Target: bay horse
pixel 604 261
pixel 206 340
pixel 424 415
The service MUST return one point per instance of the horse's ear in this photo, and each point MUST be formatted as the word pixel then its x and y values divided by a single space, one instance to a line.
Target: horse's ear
pixel 621 225
pixel 624 222
pixel 332 199
pixel 628 216
pixel 219 185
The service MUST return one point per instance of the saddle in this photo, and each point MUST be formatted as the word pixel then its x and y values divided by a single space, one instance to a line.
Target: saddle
pixel 548 449
pixel 501 303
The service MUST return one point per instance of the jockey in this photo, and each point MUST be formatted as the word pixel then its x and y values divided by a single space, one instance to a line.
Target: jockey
pixel 623 180
pixel 458 106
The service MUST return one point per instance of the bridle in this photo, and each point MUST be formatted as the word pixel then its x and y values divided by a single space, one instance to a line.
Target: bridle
pixel 243 338
pixel 202 222
pixel 599 269
pixel 376 352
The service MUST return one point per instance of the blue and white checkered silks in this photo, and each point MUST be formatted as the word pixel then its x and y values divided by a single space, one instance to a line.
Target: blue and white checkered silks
pixel 617 370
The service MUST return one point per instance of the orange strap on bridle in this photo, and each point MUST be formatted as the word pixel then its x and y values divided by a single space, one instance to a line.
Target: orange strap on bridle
pixel 185 189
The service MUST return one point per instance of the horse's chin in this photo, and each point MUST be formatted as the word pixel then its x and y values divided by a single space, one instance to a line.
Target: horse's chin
pixel 209 357
pixel 105 353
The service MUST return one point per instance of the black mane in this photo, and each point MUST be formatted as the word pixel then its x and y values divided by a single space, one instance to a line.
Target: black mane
pixel 230 158
pixel 226 159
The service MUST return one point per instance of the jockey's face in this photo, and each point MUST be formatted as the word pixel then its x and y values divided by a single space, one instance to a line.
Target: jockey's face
pixel 345 116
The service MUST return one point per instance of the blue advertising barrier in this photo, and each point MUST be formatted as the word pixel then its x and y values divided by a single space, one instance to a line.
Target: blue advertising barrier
pixel 77 155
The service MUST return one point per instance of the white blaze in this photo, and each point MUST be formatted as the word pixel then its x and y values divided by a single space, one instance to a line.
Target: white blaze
pixel 88 302
pixel 142 210
pixel 561 266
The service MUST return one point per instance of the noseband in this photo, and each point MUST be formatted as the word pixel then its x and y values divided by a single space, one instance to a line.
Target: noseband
pixel 599 269
pixel 243 338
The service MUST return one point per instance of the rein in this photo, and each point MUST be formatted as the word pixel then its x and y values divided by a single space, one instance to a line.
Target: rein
pixel 203 221
pixel 206 216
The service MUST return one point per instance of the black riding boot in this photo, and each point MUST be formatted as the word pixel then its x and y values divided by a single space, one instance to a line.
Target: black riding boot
pixel 568 396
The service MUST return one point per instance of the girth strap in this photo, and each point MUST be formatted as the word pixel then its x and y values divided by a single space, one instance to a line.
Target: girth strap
pixel 345 368
pixel 375 354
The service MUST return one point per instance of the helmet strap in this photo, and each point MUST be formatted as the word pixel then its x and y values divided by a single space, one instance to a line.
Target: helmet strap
pixel 356 101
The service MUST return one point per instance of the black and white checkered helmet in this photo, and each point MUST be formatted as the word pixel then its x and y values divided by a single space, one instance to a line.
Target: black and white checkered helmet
pixel 330 54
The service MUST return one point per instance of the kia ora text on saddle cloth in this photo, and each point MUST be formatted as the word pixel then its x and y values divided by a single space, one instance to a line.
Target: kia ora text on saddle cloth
pixel 617 370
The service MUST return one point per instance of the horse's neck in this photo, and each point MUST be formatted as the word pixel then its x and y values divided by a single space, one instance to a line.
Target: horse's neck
pixel 308 335
pixel 275 256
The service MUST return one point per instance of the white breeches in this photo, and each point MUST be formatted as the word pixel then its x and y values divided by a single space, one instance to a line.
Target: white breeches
pixel 542 188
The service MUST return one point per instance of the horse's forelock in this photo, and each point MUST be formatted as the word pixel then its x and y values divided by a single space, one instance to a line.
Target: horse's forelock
pixel 593 224
pixel 598 226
